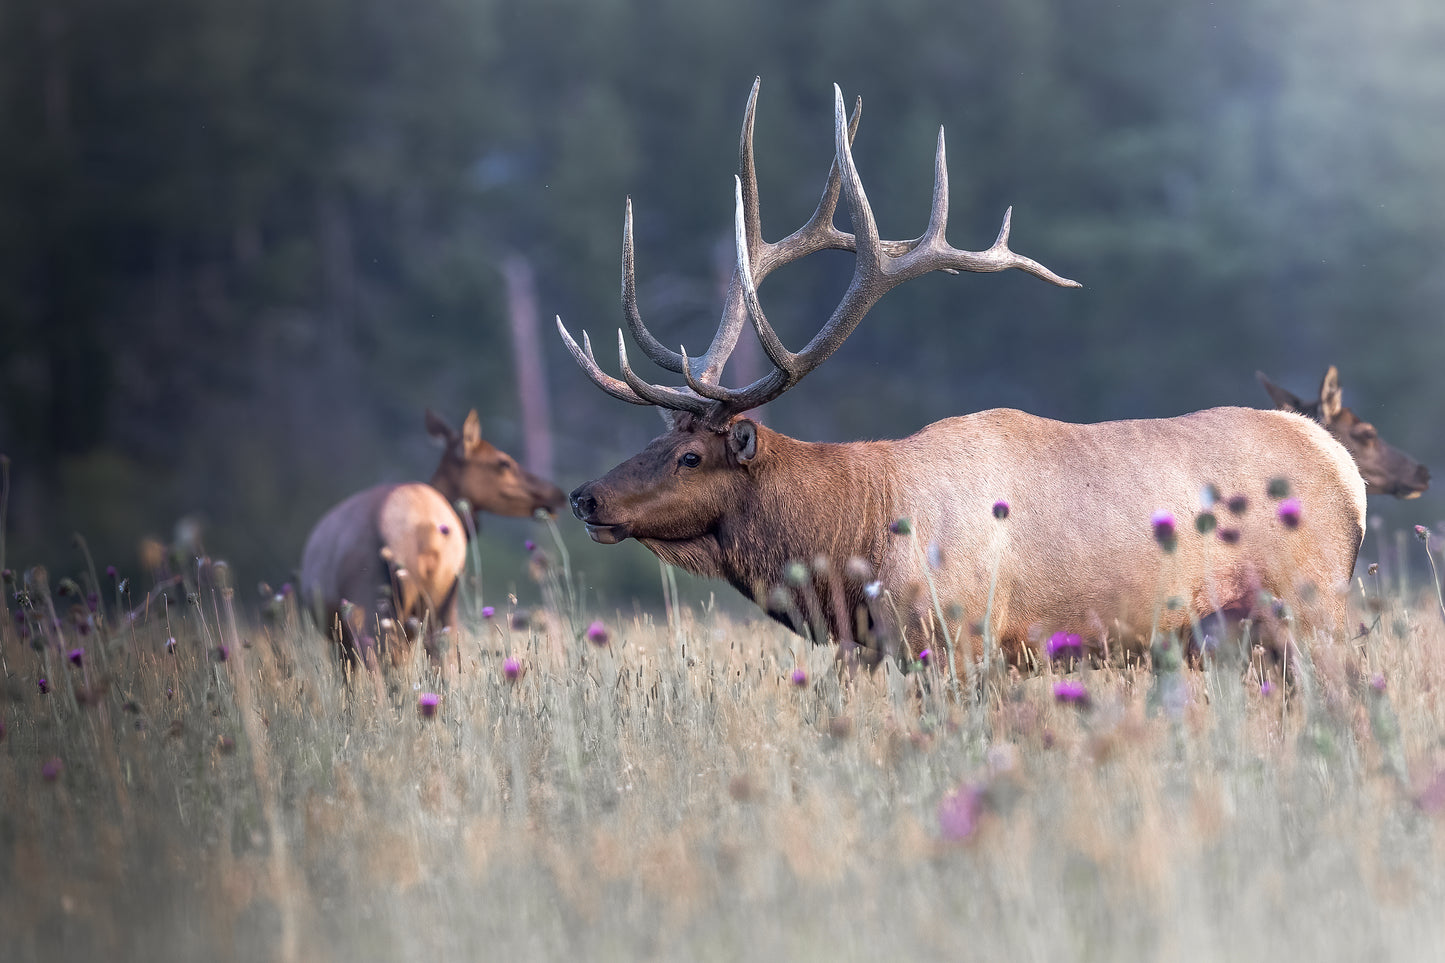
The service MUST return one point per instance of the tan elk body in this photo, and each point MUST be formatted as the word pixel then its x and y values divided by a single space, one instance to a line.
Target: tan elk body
pixel 396 551
pixel 801 527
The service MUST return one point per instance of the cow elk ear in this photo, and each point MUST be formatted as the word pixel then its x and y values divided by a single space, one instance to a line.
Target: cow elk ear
pixel 437 427
pixel 471 432
pixel 1331 398
pixel 743 440
pixel 1283 400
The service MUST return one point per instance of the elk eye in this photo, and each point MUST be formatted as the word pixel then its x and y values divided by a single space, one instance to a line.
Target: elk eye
pixel 690 460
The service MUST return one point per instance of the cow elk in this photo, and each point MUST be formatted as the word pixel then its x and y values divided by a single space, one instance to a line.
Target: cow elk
pixel 394 553
pixel 1386 469
pixel 1037 525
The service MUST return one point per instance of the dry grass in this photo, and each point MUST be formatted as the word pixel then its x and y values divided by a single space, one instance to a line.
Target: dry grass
pixel 640 800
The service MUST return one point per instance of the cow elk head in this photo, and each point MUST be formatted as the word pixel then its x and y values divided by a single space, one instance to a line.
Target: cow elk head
pixel 1386 469
pixel 487 477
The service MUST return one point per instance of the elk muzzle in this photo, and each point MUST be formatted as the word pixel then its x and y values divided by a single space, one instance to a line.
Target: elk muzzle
pixel 586 507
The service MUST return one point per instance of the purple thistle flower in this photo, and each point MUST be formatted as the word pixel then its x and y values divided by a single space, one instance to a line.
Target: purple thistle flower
pixel 512 669
pixel 76 657
pixel 1422 533
pixel 926 656
pixel 43 684
pixel 222 653
pixel 1000 509
pixel 1065 645
pixel 111 573
pixel 92 601
pixel 488 611
pixel 529 545
pixel 597 633
pixel 427 703
pixel 1266 688
pixel 1289 512
pixel 958 813
pixel 1432 798
pixel 1162 522
pixel 1377 682
pixel 50 770
pixel 1071 692
pixel 799 677
pixel 287 590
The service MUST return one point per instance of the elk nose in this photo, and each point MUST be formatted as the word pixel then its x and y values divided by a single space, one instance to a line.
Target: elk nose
pixel 584 505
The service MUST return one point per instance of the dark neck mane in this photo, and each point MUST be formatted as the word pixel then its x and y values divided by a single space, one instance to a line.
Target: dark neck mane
pixel 805 501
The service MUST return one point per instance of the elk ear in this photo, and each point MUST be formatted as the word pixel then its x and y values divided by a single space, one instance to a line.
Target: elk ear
pixel 437 427
pixel 471 432
pixel 1331 398
pixel 743 440
pixel 1283 400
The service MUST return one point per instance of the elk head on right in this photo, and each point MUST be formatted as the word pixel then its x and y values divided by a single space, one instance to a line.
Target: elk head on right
pixel 1386 469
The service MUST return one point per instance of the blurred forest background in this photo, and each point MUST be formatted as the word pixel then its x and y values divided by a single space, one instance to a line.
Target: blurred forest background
pixel 242 245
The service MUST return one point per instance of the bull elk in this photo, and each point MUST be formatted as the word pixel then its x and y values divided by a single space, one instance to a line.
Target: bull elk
pixel 1386 469
pixel 1039 525
pixel 397 551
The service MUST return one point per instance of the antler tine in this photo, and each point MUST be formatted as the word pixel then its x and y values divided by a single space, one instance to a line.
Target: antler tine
pixel 661 355
pixel 764 257
pixel 748 173
pixel 819 233
pixel 713 392
pixel 659 395
pixel 725 340
pixel 933 252
pixel 588 363
pixel 870 277
pixel 772 344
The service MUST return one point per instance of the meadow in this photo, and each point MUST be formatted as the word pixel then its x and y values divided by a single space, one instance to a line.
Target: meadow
pixel 187 776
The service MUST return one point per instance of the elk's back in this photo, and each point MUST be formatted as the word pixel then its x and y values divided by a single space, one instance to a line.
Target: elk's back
pixel 1077 551
pixel 426 540
pixel 343 554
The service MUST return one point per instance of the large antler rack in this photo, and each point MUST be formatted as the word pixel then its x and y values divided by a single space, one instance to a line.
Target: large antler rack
pixel 880 266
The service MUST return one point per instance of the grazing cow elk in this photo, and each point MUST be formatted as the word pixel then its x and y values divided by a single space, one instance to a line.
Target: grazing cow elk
pixel 396 551
pixel 1041 524
pixel 1386 469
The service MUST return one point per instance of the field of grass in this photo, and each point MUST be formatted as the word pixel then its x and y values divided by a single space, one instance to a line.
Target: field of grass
pixel 199 783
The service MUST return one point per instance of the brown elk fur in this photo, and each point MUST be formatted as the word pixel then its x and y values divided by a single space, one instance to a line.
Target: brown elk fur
pixel 396 551
pixel 1076 552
